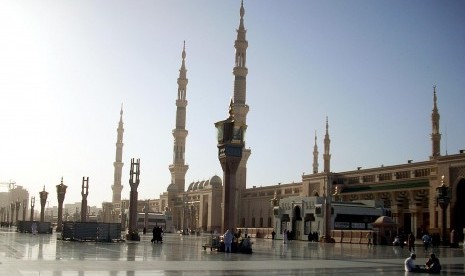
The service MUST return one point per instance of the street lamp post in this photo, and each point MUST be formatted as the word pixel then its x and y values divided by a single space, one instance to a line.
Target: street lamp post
pixel 443 199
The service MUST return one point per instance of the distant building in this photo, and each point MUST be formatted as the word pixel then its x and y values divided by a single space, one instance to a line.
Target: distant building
pixel 407 191
pixel 305 215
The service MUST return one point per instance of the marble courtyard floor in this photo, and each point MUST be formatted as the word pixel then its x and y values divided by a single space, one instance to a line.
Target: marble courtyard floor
pixel 45 255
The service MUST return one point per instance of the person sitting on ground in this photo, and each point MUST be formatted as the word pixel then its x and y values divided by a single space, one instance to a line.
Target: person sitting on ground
pixel 410 264
pixel 246 245
pixel 433 265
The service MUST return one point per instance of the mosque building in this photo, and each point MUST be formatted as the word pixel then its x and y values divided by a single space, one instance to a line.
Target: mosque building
pixel 408 191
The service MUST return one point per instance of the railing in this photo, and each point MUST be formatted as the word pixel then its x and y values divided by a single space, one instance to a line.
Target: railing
pixel 91 231
pixel 264 233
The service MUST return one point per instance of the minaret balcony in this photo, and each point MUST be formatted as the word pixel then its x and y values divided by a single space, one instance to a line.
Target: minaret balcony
pixel 181 103
pixel 180 133
pixel 240 71
pixel 241 44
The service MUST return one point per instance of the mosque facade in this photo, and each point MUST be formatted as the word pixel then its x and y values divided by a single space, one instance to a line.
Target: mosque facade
pixel 408 191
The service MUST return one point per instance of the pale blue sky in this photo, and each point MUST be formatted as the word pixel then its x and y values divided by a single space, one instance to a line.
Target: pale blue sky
pixel 66 67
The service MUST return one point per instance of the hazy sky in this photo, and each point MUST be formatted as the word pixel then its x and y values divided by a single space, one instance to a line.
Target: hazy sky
pixel 67 66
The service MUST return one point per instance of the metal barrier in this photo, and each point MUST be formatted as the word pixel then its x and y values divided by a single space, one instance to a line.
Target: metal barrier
pixel 41 227
pixel 91 231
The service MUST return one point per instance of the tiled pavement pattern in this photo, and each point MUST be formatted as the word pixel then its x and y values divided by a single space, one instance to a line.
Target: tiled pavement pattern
pixel 26 254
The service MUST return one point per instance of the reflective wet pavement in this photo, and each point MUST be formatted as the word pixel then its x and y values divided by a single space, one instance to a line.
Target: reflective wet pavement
pixel 26 254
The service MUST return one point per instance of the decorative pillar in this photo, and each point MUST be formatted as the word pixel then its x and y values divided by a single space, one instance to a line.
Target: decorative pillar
pixel 84 193
pixel 43 201
pixel 443 199
pixel 184 220
pixel 274 211
pixel 33 203
pixel 123 215
pixel 134 183
pixel 61 191
pixel 146 214
pixel 12 212
pixel 328 210
pixel 230 146
pixel 17 205
pixel 24 208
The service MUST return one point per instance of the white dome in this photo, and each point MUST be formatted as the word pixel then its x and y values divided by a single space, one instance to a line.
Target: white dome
pixel 216 181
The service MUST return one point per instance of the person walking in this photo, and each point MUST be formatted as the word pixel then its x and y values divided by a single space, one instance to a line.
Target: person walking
pixel 228 238
pixel 411 242
pixel 453 239
pixel 426 241
pixel 370 238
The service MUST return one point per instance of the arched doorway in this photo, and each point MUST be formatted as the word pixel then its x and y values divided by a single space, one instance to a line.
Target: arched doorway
pixel 458 220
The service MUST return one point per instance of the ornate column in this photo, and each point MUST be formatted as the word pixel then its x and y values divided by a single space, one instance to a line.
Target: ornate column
pixel 133 233
pixel 84 193
pixel 12 212
pixel 123 215
pixel 61 191
pixel 328 210
pixel 394 208
pixel 43 201
pixel 2 213
pixel 413 218
pixel 24 209
pixel 33 203
pixel 17 205
pixel 146 214
pixel 274 210
pixel 230 147
pixel 443 199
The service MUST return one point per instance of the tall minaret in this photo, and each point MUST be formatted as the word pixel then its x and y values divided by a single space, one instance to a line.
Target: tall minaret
pixel 178 169
pixel 315 157
pixel 435 135
pixel 118 164
pixel 326 155
pixel 239 100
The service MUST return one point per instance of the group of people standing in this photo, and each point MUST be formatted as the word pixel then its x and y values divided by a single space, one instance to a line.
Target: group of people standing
pixel 157 234
pixel 243 246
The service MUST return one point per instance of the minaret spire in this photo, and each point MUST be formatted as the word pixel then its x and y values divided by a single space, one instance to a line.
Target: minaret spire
pixel 239 105
pixel 435 135
pixel 327 155
pixel 178 169
pixel 315 156
pixel 118 164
